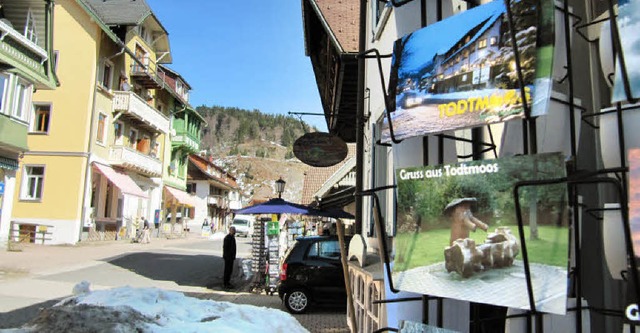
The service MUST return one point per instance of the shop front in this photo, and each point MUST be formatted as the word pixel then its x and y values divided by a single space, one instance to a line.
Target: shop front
pixel 116 203
pixel 179 207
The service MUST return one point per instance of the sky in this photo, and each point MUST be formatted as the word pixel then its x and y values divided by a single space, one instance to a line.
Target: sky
pixel 171 311
pixel 246 54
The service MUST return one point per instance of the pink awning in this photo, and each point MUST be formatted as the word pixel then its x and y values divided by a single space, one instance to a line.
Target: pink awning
pixel 182 197
pixel 120 180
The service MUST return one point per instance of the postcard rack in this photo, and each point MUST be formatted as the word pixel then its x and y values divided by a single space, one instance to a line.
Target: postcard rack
pixel 574 180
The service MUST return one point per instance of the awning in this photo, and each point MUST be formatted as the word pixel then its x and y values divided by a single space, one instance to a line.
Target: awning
pixel 8 163
pixel 182 197
pixel 120 180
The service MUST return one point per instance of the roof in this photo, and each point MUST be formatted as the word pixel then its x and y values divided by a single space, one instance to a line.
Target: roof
pixel 174 75
pixel 479 31
pixel 213 172
pixel 112 11
pixel 341 20
pixel 315 177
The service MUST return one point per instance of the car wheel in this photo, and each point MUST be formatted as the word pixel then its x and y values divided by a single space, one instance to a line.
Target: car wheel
pixel 297 301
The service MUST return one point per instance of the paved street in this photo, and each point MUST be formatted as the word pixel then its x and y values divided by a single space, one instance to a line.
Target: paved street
pixel 38 276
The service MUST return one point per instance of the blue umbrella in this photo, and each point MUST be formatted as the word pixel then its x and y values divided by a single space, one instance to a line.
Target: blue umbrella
pixel 277 206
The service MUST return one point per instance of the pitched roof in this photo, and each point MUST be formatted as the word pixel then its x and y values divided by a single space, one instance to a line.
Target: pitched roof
pixel 121 12
pixel 213 172
pixel 341 19
pixel 315 177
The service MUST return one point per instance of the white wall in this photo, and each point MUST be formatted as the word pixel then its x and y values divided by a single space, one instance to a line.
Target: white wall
pixel 202 192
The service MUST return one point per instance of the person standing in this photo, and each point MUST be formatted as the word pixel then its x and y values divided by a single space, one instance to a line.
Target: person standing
pixel 145 231
pixel 229 256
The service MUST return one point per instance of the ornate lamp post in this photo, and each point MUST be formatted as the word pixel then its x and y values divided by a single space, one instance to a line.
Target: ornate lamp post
pixel 280 187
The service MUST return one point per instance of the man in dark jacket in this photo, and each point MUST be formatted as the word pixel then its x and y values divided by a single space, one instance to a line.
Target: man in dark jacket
pixel 229 255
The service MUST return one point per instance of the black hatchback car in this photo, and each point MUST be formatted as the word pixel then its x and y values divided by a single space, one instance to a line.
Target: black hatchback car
pixel 311 272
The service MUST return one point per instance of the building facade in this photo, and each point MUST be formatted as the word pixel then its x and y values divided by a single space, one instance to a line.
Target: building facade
pixel 28 64
pixel 216 190
pixel 109 136
pixel 186 133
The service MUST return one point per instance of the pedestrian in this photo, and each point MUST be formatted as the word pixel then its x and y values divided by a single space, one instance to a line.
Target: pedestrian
pixel 229 256
pixel 145 231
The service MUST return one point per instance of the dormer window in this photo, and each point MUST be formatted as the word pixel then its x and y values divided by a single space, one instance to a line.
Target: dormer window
pixel 30 28
pixel 144 33
pixel 179 88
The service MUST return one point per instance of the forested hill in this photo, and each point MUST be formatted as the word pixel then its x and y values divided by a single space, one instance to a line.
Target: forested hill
pixel 256 148
pixel 235 131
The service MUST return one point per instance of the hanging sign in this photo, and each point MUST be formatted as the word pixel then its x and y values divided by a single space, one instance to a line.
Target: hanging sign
pixel 628 21
pixel 461 72
pixel 457 232
pixel 320 149
pixel 273 228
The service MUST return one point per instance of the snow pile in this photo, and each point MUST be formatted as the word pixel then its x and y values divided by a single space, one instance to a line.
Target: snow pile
pixel 128 309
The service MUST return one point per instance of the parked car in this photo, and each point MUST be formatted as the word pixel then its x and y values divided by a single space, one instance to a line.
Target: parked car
pixel 311 273
pixel 243 225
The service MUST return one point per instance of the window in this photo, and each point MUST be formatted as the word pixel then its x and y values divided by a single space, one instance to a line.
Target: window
pixel 325 249
pixel 42 114
pixel 30 28
pixel 32 181
pixel 133 138
pixel 21 101
pixel 102 124
pixel 4 87
pixel 380 11
pixel 142 56
pixel 191 188
pixel 144 33
pixel 179 87
pixel 107 74
pixel 118 133
pixel 482 43
pixel 493 41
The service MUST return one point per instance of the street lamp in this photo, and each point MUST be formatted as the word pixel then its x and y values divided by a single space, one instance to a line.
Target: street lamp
pixel 280 187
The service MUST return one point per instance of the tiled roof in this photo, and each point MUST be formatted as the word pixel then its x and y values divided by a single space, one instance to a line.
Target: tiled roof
pixel 123 12
pixel 343 19
pixel 315 177
pixel 213 172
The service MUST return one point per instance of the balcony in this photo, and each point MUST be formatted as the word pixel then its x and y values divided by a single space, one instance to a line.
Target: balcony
pixel 185 139
pixel 218 200
pixel 132 105
pixel 145 76
pixel 134 160
pixel 24 56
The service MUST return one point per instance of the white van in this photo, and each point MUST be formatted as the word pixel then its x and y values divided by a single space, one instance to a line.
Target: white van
pixel 243 224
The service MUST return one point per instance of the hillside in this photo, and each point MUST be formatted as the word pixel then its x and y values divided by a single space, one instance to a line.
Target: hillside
pixel 257 148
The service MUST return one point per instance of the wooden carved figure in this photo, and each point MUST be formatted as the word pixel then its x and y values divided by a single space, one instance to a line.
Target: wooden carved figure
pixel 462 219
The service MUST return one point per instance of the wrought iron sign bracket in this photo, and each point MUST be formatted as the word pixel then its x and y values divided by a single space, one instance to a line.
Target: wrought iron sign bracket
pixel 378 57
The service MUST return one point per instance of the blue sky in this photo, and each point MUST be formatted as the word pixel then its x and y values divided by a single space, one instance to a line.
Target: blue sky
pixel 247 54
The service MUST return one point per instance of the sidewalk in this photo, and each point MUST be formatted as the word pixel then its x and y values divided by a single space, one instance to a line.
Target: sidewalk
pixel 41 260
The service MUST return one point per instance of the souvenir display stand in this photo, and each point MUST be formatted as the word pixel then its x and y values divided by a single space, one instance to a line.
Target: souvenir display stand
pixel 258 254
pixel 614 177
